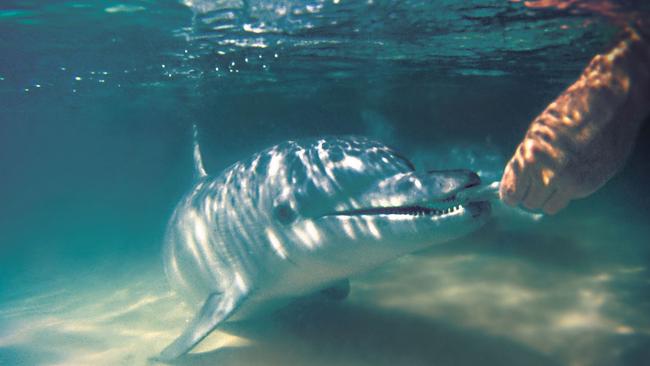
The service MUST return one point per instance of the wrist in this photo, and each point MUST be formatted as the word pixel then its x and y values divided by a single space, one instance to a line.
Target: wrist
pixel 628 66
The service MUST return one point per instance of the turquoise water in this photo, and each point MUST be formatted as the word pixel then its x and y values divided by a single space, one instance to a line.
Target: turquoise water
pixel 97 99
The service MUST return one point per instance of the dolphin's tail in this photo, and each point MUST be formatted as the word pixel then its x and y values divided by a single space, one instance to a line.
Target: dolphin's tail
pixel 199 171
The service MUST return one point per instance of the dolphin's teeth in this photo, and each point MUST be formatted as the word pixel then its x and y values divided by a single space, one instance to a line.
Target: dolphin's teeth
pixel 403 210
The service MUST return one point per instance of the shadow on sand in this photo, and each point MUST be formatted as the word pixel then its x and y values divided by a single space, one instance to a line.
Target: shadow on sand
pixel 543 247
pixel 330 333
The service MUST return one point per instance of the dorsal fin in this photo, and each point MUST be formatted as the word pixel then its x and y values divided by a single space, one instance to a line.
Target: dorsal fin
pixel 199 171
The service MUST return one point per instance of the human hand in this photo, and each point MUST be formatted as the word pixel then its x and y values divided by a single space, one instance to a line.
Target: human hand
pixel 583 138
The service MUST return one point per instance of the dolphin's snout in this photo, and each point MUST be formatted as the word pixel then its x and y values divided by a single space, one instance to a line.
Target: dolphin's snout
pixel 456 179
pixel 473 180
pixel 477 209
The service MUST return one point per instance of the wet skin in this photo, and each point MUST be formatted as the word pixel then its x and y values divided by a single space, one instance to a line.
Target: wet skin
pixel 583 137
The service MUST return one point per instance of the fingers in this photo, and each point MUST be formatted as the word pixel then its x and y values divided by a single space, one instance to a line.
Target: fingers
pixel 529 189
pixel 534 192
pixel 529 177
pixel 556 202
pixel 537 195
pixel 514 185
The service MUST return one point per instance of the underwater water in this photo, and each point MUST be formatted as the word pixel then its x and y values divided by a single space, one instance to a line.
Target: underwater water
pixel 97 100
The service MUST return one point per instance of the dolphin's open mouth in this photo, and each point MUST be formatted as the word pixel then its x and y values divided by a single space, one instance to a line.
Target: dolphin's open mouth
pixel 474 208
pixel 472 199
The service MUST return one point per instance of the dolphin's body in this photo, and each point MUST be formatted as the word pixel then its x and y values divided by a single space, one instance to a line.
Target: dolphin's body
pixel 300 217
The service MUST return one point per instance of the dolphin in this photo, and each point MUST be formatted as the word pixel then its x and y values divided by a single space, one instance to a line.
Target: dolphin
pixel 302 217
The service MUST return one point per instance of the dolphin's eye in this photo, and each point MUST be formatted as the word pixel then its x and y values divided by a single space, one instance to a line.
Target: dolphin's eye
pixel 284 213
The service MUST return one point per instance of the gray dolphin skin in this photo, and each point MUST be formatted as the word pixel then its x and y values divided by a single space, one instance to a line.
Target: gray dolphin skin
pixel 302 217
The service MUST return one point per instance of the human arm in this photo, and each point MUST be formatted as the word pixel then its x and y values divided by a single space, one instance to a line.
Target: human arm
pixel 583 137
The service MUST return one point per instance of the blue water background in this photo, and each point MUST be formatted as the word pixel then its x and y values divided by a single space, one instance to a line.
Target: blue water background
pixel 97 99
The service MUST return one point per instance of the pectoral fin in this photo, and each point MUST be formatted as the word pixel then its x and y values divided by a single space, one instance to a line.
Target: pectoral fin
pixel 217 308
